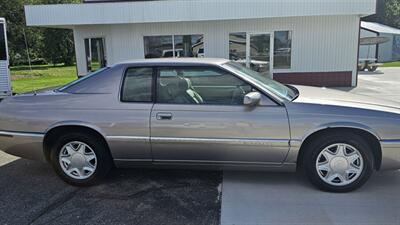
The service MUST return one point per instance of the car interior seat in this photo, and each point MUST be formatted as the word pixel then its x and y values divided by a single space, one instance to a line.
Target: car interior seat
pixel 179 90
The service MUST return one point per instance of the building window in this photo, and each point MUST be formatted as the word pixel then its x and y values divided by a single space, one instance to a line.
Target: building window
pixel 257 51
pixel 137 85
pixel 3 49
pixel 282 50
pixel 95 54
pixel 237 47
pixel 158 47
pixel 173 46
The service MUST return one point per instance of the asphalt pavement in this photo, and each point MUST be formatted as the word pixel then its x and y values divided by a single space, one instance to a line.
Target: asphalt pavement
pixel 31 193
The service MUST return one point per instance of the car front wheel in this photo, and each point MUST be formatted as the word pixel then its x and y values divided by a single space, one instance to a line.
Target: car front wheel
pixel 80 159
pixel 339 163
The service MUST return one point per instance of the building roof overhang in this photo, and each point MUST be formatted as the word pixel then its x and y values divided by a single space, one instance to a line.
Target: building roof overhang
pixel 379 28
pixel 69 15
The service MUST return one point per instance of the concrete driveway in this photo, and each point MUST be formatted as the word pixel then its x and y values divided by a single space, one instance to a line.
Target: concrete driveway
pixel 288 199
pixel 384 83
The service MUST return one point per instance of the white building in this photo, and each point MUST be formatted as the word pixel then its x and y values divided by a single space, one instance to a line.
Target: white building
pixel 386 52
pixel 312 42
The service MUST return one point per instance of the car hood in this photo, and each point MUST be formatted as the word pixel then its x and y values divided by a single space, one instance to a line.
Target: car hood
pixel 326 96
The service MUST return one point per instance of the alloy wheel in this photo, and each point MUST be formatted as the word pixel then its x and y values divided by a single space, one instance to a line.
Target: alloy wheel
pixel 339 164
pixel 78 160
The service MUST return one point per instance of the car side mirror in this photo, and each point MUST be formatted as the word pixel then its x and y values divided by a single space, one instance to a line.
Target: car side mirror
pixel 252 98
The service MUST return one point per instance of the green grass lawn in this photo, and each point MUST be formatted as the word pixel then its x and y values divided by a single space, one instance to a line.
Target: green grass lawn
pixel 392 64
pixel 42 76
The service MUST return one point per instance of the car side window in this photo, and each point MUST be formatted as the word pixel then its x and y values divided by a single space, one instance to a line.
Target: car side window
pixel 202 85
pixel 137 85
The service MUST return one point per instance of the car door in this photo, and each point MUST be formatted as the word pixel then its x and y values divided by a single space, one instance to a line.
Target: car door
pixel 199 117
pixel 129 126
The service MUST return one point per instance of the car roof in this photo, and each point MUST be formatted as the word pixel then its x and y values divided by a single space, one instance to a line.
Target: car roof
pixel 177 61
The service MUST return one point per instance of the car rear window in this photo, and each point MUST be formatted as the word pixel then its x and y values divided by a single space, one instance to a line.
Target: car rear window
pixel 66 87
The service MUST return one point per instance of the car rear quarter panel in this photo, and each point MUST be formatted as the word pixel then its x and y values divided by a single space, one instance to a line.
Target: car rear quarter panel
pixel 44 111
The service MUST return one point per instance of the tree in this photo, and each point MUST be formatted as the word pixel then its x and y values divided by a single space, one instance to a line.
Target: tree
pixel 13 11
pixel 59 43
pixel 392 13
pixel 388 13
pixel 58 46
pixel 55 45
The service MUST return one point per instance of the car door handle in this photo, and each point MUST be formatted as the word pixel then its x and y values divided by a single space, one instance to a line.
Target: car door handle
pixel 164 116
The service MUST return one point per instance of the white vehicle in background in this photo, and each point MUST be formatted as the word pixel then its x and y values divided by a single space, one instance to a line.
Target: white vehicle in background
pixel 5 83
pixel 169 53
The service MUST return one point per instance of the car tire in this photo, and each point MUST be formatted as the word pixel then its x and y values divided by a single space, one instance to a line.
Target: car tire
pixel 80 159
pixel 338 162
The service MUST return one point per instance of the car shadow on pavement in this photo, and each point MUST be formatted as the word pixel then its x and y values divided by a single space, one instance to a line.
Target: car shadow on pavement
pixel 31 193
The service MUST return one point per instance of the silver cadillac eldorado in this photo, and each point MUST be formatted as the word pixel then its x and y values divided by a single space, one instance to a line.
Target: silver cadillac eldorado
pixel 201 113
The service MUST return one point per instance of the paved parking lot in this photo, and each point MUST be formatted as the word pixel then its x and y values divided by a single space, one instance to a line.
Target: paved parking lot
pixel 30 192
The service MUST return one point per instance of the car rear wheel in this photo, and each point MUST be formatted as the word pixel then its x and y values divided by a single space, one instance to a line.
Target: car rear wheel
pixel 338 163
pixel 80 159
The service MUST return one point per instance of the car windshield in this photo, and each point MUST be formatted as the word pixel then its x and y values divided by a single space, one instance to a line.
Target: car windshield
pixel 63 88
pixel 275 87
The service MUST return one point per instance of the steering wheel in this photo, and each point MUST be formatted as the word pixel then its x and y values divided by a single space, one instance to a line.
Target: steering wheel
pixel 238 94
